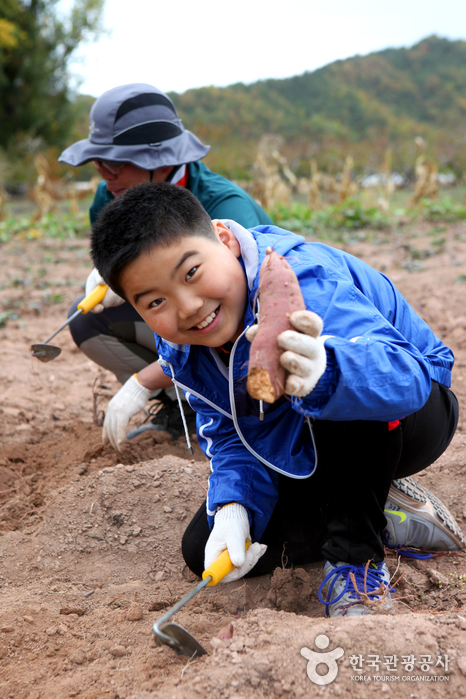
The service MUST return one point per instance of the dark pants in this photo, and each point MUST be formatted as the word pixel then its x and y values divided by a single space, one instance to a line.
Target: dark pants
pixel 116 339
pixel 338 513
pixel 117 321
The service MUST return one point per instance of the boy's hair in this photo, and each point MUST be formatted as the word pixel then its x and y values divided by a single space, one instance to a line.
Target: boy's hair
pixel 145 216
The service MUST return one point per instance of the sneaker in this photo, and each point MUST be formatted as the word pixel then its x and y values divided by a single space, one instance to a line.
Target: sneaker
pixel 342 598
pixel 166 419
pixel 417 519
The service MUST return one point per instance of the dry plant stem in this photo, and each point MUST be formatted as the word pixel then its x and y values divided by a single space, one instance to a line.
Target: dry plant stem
pixel 32 512
pixel 382 590
pixel 190 662
pixel 199 483
pixel 435 554
pixel 98 415
pixel 284 557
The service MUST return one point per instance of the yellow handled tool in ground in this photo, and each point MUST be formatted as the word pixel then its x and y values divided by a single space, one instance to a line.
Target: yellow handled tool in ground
pixel 176 636
pixel 45 352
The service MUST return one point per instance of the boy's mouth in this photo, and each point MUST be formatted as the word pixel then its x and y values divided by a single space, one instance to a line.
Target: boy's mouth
pixel 207 321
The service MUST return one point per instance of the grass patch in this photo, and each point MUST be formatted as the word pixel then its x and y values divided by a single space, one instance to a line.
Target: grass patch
pixel 65 226
pixel 344 222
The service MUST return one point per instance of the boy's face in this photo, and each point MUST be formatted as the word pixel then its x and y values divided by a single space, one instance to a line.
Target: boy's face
pixel 192 292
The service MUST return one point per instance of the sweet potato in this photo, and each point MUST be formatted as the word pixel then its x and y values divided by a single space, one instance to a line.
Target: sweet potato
pixel 279 295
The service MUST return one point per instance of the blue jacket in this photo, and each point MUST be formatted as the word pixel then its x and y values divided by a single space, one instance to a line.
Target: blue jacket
pixel 381 357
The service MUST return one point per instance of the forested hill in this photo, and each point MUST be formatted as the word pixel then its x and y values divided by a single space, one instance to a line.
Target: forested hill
pixel 361 105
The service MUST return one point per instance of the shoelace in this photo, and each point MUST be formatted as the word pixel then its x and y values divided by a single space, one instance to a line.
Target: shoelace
pixel 406 551
pixel 374 579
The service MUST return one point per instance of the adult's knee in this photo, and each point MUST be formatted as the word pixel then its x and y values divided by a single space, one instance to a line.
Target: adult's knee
pixel 85 326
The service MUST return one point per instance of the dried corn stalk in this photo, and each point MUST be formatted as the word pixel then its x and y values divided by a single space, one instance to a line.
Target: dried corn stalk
pixel 48 190
pixel 426 186
pixel 347 187
pixel 273 179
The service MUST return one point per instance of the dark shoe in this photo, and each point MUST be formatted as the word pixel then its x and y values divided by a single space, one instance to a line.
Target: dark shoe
pixel 165 416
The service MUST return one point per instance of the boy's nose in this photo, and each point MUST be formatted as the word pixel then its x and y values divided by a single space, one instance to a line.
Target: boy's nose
pixel 189 306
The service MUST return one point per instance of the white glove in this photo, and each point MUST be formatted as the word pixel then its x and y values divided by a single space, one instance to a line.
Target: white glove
pixel 305 358
pixel 110 298
pixel 130 399
pixel 230 531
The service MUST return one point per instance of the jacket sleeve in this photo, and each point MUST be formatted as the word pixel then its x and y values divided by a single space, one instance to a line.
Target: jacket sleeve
pixel 379 364
pixel 236 475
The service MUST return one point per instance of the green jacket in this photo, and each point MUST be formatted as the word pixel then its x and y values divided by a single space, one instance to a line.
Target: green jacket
pixel 219 197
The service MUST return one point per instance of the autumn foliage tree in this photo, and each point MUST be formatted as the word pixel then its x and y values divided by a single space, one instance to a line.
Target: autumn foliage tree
pixel 37 41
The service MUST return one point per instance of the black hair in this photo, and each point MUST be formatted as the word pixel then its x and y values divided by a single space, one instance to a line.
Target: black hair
pixel 145 216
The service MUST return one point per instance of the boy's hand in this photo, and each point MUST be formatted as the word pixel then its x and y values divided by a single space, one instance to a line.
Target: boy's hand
pixel 304 357
pixel 231 529
pixel 130 399
pixel 110 298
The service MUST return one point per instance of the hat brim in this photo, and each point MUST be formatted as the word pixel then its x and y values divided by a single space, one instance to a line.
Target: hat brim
pixel 185 148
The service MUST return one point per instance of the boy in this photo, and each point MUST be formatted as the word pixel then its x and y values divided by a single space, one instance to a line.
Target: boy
pixel 369 400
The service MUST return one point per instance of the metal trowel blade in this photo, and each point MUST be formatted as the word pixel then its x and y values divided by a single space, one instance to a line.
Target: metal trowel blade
pixel 184 643
pixel 45 353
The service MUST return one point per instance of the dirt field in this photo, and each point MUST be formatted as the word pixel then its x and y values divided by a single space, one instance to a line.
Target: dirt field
pixel 90 553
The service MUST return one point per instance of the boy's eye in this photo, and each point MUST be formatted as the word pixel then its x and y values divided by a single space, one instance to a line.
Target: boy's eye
pixel 191 273
pixel 154 304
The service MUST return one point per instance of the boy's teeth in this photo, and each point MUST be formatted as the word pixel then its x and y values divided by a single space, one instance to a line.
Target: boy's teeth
pixel 207 321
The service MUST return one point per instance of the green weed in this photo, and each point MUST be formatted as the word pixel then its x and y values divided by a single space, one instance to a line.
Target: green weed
pixel 331 223
pixel 341 221
pixel 443 210
pixel 64 226
pixel 5 316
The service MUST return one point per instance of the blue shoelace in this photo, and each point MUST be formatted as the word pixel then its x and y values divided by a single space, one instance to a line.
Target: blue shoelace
pixel 374 579
pixel 406 551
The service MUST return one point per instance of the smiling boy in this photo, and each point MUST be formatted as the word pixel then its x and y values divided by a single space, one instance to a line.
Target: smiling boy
pixel 307 478
pixel 211 315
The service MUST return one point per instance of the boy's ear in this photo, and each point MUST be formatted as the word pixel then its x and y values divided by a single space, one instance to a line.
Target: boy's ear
pixel 226 237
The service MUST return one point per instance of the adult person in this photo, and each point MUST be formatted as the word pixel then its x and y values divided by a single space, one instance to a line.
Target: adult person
pixel 136 135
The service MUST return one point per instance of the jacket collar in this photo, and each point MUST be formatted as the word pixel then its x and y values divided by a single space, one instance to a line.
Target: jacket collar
pixel 249 250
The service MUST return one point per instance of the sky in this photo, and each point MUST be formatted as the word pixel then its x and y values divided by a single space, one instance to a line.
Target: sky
pixel 183 44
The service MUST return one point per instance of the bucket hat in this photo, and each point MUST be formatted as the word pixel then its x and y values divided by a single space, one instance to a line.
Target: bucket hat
pixel 136 123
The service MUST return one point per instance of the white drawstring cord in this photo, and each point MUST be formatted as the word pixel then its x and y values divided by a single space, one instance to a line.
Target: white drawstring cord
pixel 183 418
pixel 240 434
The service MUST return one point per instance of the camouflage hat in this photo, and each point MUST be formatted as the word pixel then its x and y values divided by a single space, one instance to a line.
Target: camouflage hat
pixel 136 123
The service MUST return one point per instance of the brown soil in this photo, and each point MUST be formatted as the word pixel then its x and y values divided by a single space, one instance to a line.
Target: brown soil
pixel 90 546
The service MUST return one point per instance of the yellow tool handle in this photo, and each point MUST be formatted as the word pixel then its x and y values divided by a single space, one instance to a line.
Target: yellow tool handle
pixel 92 299
pixel 221 567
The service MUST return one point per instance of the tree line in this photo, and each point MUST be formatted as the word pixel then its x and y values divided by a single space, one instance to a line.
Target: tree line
pixel 361 106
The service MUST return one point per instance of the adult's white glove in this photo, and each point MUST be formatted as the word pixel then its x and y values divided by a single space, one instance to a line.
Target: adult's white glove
pixel 230 531
pixel 304 357
pixel 130 399
pixel 110 298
